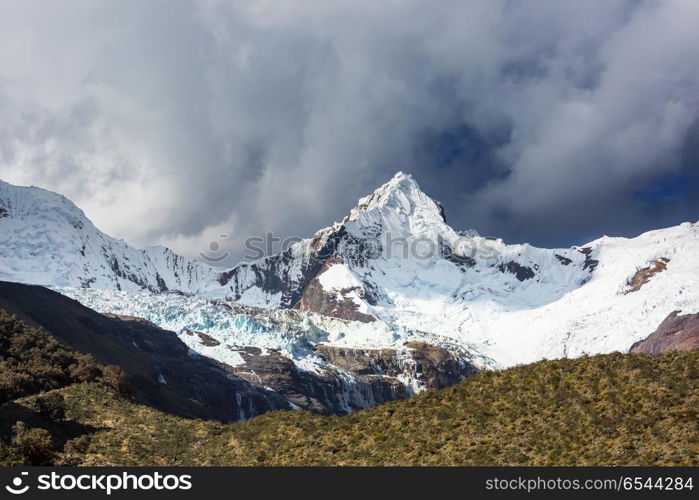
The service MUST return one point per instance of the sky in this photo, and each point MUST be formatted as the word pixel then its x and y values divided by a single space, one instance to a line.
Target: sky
pixel 173 122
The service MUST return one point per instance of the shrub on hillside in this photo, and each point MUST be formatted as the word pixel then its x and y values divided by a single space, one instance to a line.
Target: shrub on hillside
pixel 116 378
pixel 35 445
pixel 51 406
pixel 31 361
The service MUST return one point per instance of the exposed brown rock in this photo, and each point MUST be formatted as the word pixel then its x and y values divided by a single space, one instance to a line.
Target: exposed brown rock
pixel 644 275
pixel 675 333
pixel 316 299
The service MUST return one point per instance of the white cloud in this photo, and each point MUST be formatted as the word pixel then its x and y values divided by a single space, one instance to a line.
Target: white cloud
pixel 170 121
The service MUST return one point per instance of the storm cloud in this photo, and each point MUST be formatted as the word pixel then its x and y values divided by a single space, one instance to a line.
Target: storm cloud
pixel 172 122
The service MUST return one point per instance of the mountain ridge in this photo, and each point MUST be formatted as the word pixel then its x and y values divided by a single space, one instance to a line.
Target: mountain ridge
pixel 46 239
pixel 498 304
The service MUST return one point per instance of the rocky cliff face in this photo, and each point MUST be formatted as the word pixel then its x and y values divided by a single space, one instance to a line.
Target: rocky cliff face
pixel 676 333
pixel 328 391
pixel 354 379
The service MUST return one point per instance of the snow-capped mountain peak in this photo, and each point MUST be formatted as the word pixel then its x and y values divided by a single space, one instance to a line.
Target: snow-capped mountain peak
pixel 399 206
pixel 18 202
pixel 402 193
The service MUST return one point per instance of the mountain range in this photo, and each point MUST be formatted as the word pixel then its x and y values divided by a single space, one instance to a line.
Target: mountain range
pixel 386 303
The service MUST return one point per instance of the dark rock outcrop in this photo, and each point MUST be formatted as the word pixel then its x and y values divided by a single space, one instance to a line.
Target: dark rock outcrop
pixel 564 260
pixel 362 361
pixel 207 340
pixel 675 333
pixel 521 272
pixel 590 264
pixel 277 274
pixel 447 253
pixel 294 278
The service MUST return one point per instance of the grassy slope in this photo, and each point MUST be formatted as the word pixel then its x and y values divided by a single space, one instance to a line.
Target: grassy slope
pixel 32 363
pixel 613 409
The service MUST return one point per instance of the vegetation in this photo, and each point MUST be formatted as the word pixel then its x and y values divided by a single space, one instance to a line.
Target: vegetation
pixel 616 409
pixel 34 363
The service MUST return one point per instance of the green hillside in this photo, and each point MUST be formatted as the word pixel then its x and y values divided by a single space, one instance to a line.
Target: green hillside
pixel 616 409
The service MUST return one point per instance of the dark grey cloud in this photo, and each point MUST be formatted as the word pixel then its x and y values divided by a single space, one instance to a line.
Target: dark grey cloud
pixel 173 122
